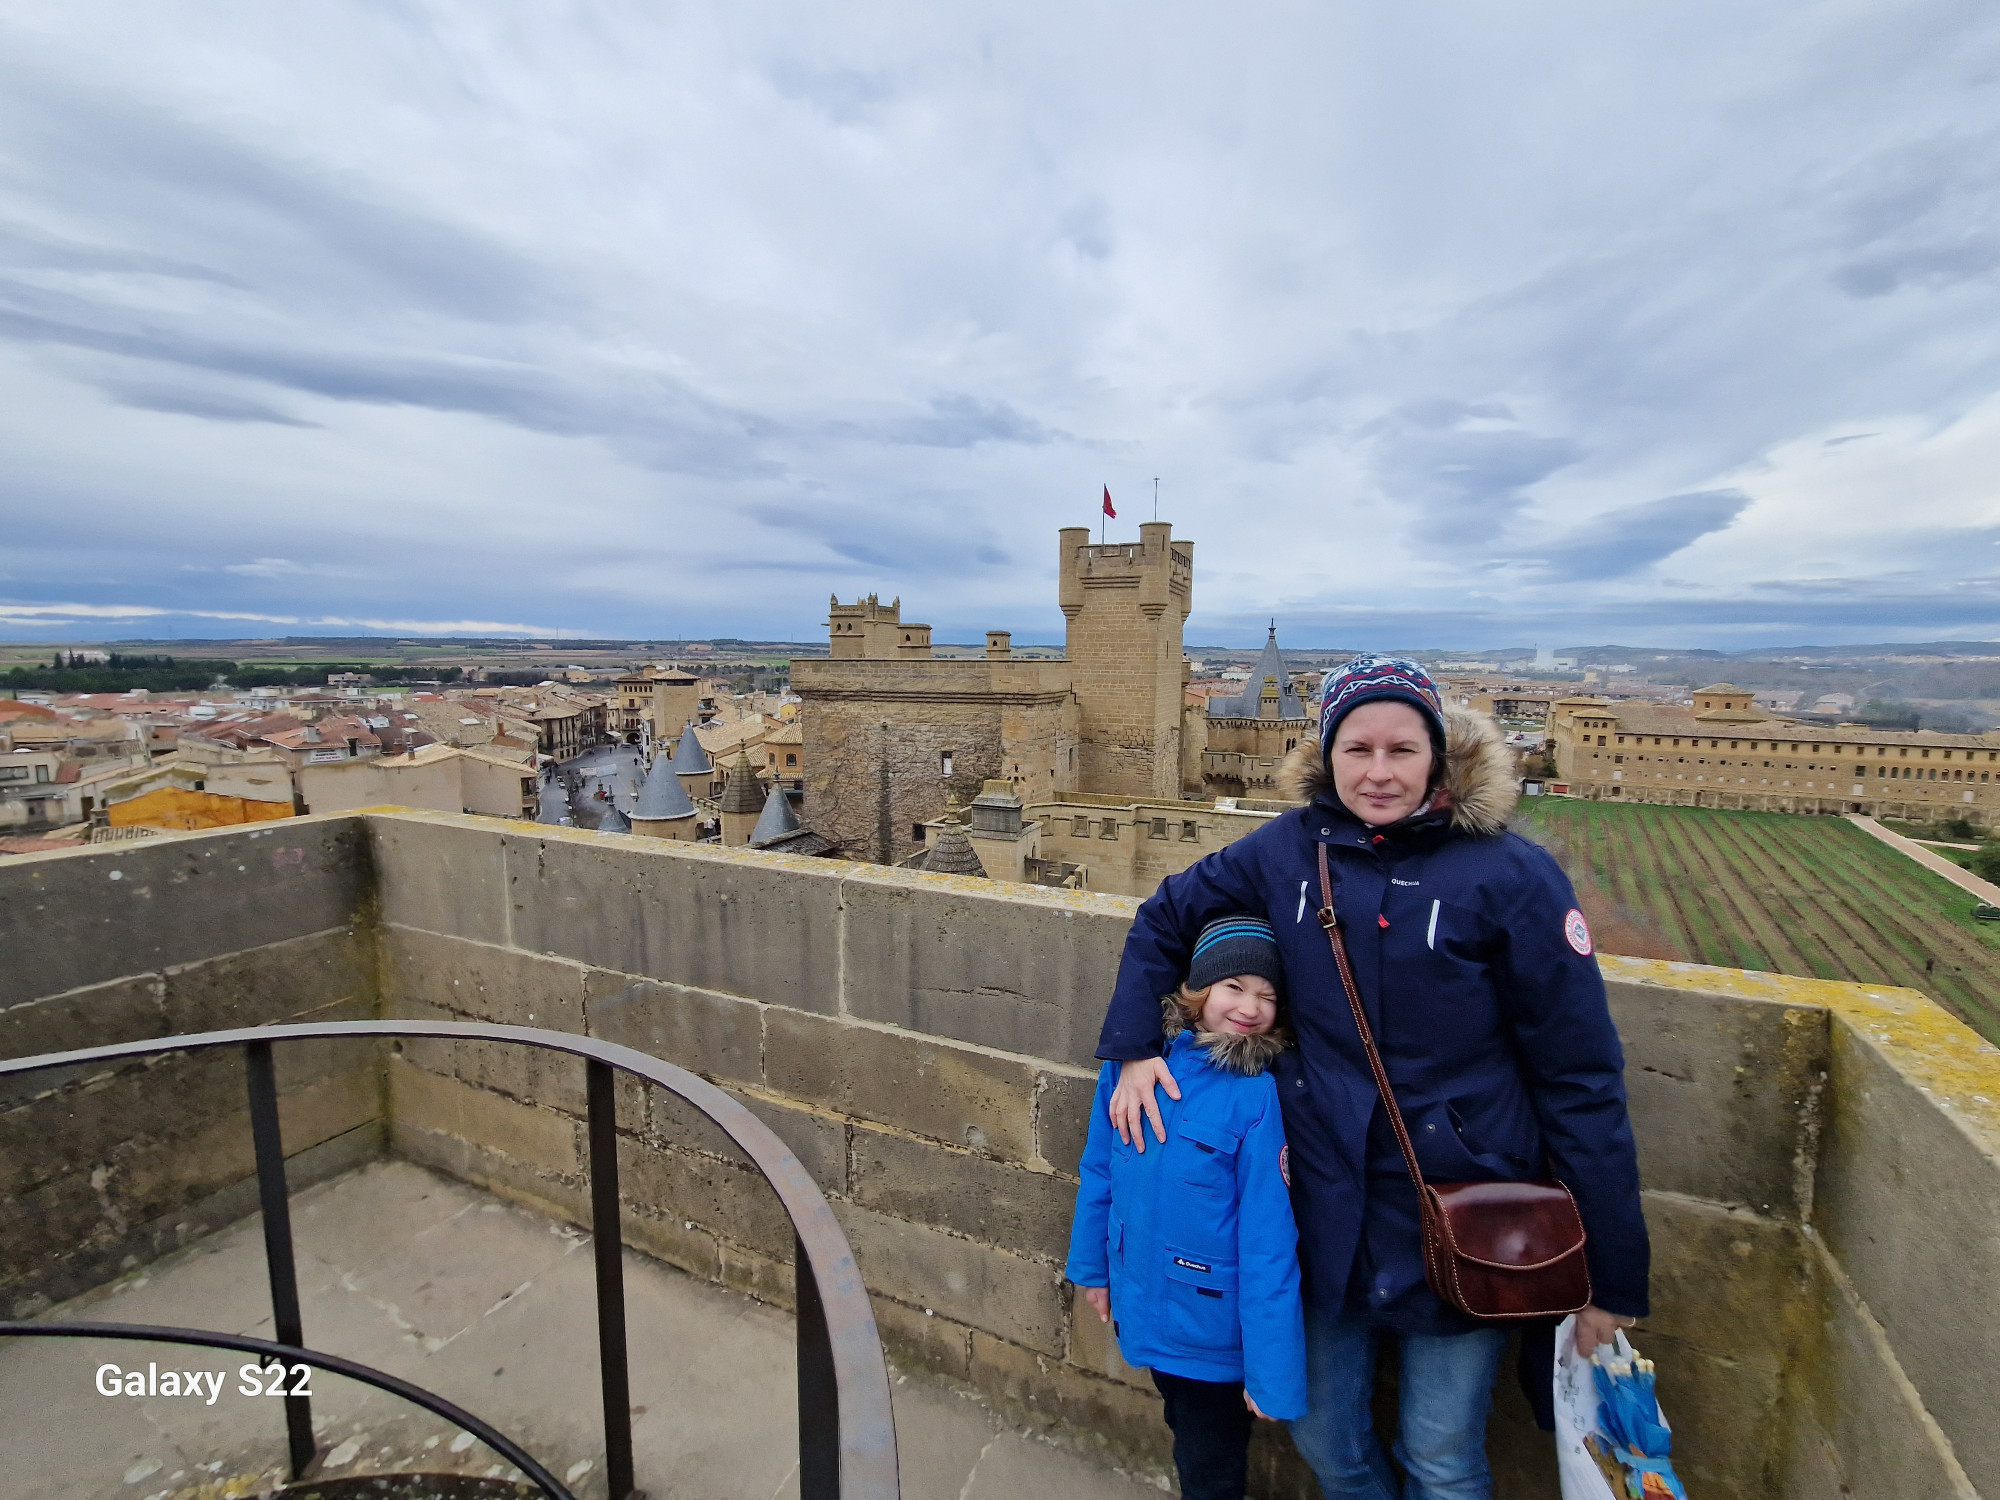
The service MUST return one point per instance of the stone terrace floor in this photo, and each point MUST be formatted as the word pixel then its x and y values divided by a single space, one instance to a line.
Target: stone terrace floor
pixel 490 1306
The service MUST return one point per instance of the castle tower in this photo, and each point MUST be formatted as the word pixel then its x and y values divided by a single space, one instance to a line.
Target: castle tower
pixel 1125 604
pixel 869 630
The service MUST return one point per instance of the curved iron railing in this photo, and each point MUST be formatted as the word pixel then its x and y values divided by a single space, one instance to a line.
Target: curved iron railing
pixel 847 1434
pixel 287 1354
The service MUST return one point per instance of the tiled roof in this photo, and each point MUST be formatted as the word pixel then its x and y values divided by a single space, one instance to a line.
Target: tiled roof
pixel 742 793
pixel 953 854
pixel 777 821
pixel 689 758
pixel 662 797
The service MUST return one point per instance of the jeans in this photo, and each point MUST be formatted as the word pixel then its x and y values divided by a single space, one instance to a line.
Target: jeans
pixel 1446 1388
pixel 1211 1435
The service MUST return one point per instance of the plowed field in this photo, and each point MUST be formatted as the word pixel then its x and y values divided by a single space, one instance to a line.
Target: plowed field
pixel 1771 891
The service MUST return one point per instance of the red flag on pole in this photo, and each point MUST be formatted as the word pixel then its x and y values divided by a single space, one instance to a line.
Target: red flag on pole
pixel 1107 503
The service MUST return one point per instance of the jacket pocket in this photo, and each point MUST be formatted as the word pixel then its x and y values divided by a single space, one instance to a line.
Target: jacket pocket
pixel 1202 1310
pixel 1206 1156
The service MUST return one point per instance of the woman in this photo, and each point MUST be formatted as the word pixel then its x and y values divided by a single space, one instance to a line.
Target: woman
pixel 1476 972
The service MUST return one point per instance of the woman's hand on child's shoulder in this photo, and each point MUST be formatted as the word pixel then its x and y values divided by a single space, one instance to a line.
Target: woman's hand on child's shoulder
pixel 1133 1099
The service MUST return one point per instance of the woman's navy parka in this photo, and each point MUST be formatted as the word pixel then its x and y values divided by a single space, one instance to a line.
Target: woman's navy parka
pixel 1476 972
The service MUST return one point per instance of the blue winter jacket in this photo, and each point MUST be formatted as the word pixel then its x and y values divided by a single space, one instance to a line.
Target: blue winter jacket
pixel 1195 1238
pixel 1476 973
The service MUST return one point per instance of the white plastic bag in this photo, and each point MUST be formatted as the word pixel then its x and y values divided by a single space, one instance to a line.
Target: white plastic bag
pixel 1576 1418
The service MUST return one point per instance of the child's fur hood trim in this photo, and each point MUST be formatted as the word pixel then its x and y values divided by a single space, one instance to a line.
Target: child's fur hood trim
pixel 1231 1051
pixel 1478 784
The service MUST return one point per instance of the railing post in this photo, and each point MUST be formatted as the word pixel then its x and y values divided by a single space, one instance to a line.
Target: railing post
pixel 275 1200
pixel 607 1244
pixel 819 1391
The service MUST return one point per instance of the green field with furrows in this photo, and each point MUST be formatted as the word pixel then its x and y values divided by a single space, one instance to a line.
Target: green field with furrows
pixel 1772 891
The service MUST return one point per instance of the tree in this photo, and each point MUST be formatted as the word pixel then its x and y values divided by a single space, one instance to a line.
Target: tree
pixel 1986 863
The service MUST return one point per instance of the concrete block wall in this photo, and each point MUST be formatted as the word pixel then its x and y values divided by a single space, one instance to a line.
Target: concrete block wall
pixel 104 1169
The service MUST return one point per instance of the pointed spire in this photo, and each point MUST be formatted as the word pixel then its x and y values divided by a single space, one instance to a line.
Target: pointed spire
pixel 953 854
pixel 741 793
pixel 662 796
pixel 689 758
pixel 777 821
pixel 613 821
pixel 1270 665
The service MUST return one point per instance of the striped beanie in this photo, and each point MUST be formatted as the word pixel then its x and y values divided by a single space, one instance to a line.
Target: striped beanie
pixel 1232 945
pixel 1368 679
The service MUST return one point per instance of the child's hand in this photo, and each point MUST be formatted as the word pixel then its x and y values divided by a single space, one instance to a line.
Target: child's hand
pixel 1255 1409
pixel 1099 1298
pixel 1133 1098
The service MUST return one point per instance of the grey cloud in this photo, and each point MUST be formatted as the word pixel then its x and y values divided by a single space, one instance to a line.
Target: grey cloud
pixel 212 405
pixel 954 421
pixel 1616 542
pixel 168 182
pixel 1464 482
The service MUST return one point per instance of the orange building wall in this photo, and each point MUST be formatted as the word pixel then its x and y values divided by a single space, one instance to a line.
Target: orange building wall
pixel 177 807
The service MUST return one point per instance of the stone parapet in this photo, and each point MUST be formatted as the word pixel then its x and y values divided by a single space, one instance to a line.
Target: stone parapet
pixel 1822 1160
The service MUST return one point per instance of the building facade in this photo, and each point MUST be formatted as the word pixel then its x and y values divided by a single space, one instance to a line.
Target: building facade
pixel 890 734
pixel 1249 736
pixel 1725 752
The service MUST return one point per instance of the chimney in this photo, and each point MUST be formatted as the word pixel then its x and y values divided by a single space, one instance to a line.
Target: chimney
pixel 999 645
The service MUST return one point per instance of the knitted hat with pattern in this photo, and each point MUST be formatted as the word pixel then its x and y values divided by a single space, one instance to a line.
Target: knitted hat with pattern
pixel 1371 679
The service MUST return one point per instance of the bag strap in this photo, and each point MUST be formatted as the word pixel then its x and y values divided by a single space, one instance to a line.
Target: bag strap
pixel 1331 923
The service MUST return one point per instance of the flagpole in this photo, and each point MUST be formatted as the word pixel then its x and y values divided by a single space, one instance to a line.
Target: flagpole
pixel 1156 497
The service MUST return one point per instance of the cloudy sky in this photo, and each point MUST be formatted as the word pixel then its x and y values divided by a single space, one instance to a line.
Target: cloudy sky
pixel 1440 324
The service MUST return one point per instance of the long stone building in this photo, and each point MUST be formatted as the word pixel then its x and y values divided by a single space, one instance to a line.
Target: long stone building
pixel 891 734
pixel 1725 752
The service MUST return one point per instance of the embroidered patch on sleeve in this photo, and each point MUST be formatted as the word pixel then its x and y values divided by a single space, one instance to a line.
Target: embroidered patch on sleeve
pixel 1577 931
pixel 1285 1162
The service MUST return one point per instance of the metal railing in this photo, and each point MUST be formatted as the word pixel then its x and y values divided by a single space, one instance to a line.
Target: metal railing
pixel 847 1434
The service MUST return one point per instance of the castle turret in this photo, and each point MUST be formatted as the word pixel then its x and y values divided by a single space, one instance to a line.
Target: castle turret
pixel 663 809
pixel 742 802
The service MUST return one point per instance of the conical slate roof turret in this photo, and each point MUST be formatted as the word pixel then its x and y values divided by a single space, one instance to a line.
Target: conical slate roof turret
pixel 1270 665
pixel 613 821
pixel 953 854
pixel 741 794
pixel 662 796
pixel 777 820
pixel 689 758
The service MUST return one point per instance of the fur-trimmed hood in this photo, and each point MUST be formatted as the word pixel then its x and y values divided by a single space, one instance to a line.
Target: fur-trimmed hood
pixel 1478 783
pixel 1231 1051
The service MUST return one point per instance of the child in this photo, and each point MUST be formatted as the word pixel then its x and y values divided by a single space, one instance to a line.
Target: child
pixel 1191 1246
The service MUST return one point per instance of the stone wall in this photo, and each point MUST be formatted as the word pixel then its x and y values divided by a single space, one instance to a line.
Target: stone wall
pixel 1819 1158
pixel 102 1169
pixel 1123 847
pixel 924 1044
pixel 874 734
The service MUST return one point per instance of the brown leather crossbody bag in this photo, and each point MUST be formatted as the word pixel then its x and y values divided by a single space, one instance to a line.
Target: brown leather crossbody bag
pixel 1495 1250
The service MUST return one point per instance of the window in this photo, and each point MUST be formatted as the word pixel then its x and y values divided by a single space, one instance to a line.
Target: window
pixel 1617 760
pixel 1159 828
pixel 944 763
pixel 1082 829
pixel 791 760
pixel 916 833
pixel 1189 830
pixel 1109 829
pixel 13 773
